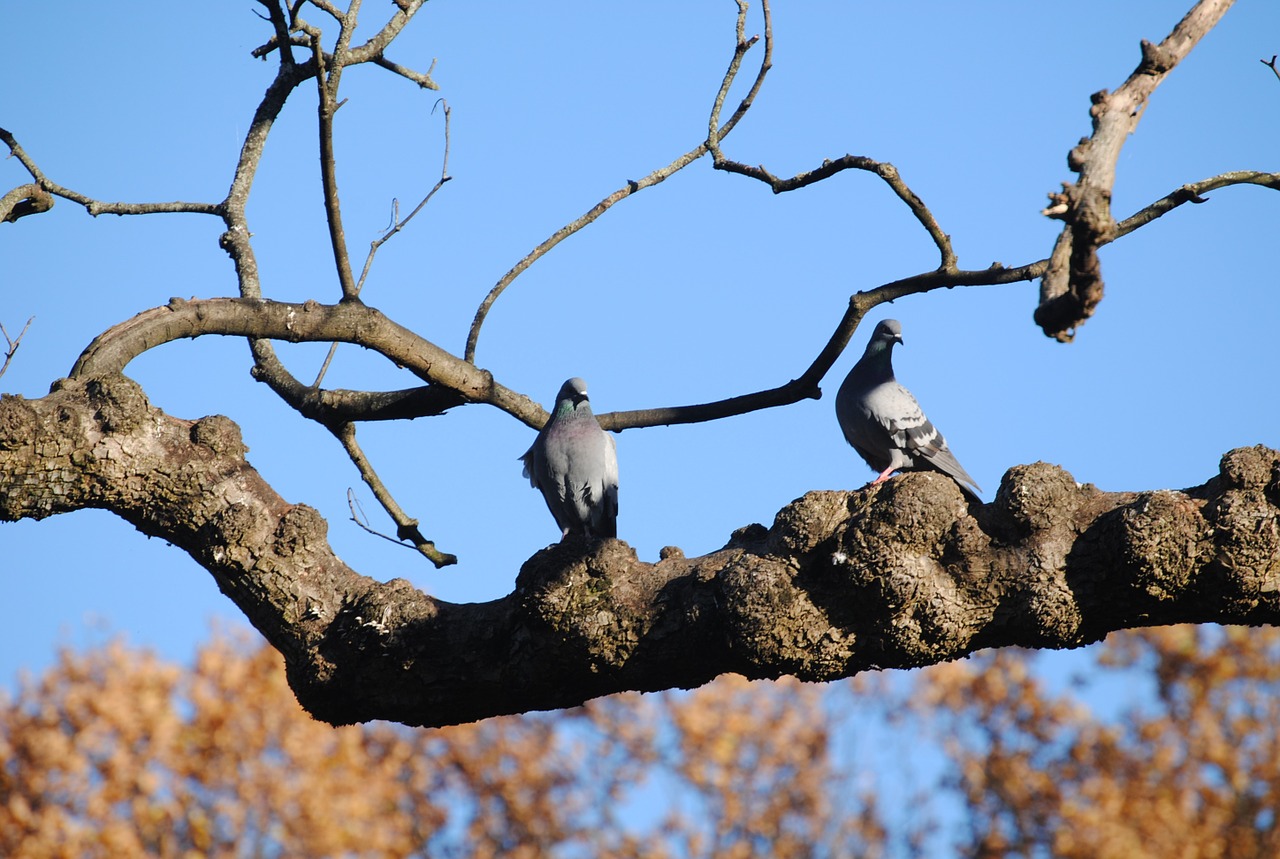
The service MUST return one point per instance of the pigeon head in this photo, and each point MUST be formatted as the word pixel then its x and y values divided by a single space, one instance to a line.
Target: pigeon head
pixel 573 392
pixel 886 333
pixel 880 347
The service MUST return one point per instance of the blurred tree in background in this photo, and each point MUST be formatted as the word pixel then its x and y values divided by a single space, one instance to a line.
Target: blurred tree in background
pixel 114 752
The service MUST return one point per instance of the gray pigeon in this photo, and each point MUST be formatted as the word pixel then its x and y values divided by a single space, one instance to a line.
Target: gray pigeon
pixel 883 421
pixel 574 464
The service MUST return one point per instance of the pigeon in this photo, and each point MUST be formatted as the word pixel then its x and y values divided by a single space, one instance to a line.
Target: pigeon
pixel 883 421
pixel 574 464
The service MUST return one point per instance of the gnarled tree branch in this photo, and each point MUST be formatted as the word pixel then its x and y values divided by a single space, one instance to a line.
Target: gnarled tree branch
pixel 899 575
pixel 1069 293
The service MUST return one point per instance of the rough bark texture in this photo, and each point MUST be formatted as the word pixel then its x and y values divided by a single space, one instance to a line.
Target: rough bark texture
pixel 900 575
pixel 1073 284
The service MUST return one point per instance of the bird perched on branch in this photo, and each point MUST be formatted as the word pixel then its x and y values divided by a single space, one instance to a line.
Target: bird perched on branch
pixel 883 421
pixel 574 464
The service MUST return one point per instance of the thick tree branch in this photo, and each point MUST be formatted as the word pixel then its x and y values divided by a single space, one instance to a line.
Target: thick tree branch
pixel 310 322
pixel 1069 293
pixel 900 575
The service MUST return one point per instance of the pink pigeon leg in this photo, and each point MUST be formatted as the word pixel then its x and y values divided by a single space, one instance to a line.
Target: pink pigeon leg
pixel 884 475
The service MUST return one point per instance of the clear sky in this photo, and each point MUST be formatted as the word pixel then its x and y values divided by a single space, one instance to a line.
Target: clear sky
pixel 703 287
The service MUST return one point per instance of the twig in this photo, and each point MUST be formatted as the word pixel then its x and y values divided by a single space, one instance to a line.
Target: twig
pixel 327 88
pixel 97 207
pixel 654 178
pixel 12 344
pixel 396 227
pixel 1271 64
pixel 422 79
pixel 406 527
pixel 1191 193
pixel 886 171
pixel 277 14
pixel 362 519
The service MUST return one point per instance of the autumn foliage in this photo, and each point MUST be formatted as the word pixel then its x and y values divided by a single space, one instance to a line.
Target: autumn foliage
pixel 1189 768
pixel 1166 746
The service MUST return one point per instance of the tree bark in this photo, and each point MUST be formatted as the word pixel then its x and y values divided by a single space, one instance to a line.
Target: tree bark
pixel 899 575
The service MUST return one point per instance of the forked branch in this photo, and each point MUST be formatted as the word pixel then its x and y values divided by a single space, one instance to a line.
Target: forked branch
pixel 1071 290
pixel 12 344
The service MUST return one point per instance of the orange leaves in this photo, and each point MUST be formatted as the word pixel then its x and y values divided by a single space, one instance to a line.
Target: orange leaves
pixel 115 753
pixel 1192 773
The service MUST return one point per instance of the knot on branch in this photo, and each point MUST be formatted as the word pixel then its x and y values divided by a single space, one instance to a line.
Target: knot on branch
pixel 1037 497
pixel 18 422
pixel 1256 467
pixel 1072 286
pixel 594 596
pixel 29 199
pixel 1156 60
pixel 774 622
pixel 1246 528
pixel 302 531
pixel 806 524
pixel 905 554
pixel 119 403
pixel 1161 539
pixel 220 434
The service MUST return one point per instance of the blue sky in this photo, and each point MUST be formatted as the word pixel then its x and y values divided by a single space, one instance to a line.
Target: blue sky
pixel 703 287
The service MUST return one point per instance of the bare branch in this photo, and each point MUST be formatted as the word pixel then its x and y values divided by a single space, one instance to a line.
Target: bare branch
pixel 277 15
pixel 372 49
pixel 329 9
pixel 97 207
pixel 806 385
pixel 12 344
pixel 1271 64
pixel 1069 296
pixel 1191 193
pixel 327 89
pixel 422 79
pixel 396 227
pixel 406 527
pixel 112 350
pixel 654 178
pixel 829 168
pixel 309 322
